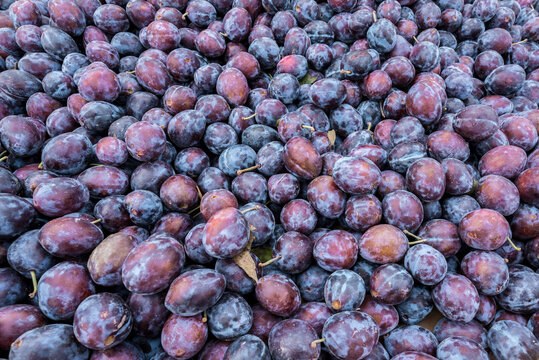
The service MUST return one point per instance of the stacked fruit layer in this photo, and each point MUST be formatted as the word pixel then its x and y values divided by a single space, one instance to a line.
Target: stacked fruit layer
pixel 269 179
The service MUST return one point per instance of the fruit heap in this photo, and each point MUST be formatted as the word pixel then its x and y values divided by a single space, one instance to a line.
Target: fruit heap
pixel 269 179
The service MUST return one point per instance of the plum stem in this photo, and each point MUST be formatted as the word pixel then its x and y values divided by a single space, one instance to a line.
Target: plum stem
pixel 308 128
pixel 199 192
pixel 382 110
pixel 520 42
pixel 313 344
pixel 193 210
pixel 369 125
pixel 249 117
pixel 374 16
pixel 419 238
pixel 513 244
pixel 97 221
pixel 3 158
pixel 415 39
pixel 204 317
pixel 223 34
pixel 346 72
pixel 239 172
pixel 34 284
pixel 257 207
pixel 3 153
pixel 185 15
pixel 270 261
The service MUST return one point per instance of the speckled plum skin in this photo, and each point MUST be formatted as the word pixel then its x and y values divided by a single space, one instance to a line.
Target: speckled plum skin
pixel 298 215
pixel 16 215
pixel 232 85
pixel 19 84
pixel 292 338
pixel 99 84
pixel 509 340
pixel 441 235
pixel 262 219
pixel 344 290
pixel 403 210
pixel 153 75
pixel 195 291
pixel 301 158
pixel 413 355
pixel 295 251
pixel 263 322
pixel 416 307
pixel 13 288
pixel 461 307
pixel 445 328
pixel 152 265
pixel 67 154
pixel 507 161
pixel 67 237
pixel 356 175
pixel 62 288
pixel 145 141
pixel 385 315
pixel 458 179
pixel 476 122
pixel 25 254
pixel 411 338
pixel 426 264
pixel 521 294
pixel 350 335
pixel 123 351
pixel 230 317
pixel 326 197
pixel 391 284
pixel 247 347
pixel 226 234
pixel 15 320
pixel 215 200
pixel 194 249
pixel 106 260
pixel 484 229
pixel 337 249
pixel 362 212
pixel 426 179
pixel 54 341
pixel 278 294
pixel 314 313
pixel 487 270
pixel 179 193
pixel 424 102
pixel 104 180
pixel 149 313
pixel 102 321
pixel 382 244
pixel 498 193
pixel 186 128
pixel 11 129
pixel 60 196
pixel 459 348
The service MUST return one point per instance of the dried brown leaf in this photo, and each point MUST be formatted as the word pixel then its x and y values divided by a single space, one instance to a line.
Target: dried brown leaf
pixel 332 136
pixel 246 262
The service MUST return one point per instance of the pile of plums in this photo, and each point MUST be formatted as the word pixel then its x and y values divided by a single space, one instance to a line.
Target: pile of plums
pixel 269 179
